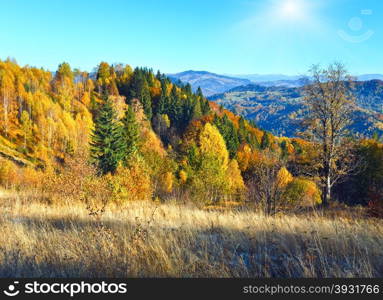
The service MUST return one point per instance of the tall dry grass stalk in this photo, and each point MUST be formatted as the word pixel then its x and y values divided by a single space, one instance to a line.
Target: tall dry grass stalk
pixel 144 239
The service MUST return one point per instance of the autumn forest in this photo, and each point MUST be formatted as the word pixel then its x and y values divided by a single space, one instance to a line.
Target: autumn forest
pixel 126 165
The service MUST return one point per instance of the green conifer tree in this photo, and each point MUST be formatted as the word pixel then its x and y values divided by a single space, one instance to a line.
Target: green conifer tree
pixel 130 133
pixel 265 143
pixel 162 103
pixel 146 100
pixel 242 132
pixel 107 142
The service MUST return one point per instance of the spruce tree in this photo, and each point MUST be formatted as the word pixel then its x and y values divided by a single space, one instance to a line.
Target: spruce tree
pixel 199 93
pixel 107 144
pixel 188 89
pixel 139 89
pixel 204 103
pixel 196 110
pixel 146 99
pixel 175 109
pixel 253 141
pixel 242 132
pixel 205 106
pixel 162 104
pixel 135 85
pixel 265 143
pixel 284 150
pixel 130 133
pixel 159 75
pixel 228 132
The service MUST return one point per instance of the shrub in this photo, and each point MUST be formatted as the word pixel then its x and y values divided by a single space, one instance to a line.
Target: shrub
pixel 31 178
pixel 236 186
pixel 302 191
pixel 76 181
pixel 284 177
pixel 183 176
pixel 166 182
pixel 9 176
pixel 131 183
pixel 375 205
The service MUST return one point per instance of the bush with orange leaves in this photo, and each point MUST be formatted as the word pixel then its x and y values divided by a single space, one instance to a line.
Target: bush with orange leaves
pixel 76 181
pixel 130 183
pixel 13 176
pixel 8 174
pixel 166 183
pixel 284 177
pixel 236 185
pixel 302 192
pixel 183 176
pixel 30 178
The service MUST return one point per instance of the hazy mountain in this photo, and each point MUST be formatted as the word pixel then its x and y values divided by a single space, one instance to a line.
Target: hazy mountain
pixel 267 77
pixel 274 79
pixel 279 109
pixel 366 77
pixel 259 78
pixel 283 83
pixel 210 83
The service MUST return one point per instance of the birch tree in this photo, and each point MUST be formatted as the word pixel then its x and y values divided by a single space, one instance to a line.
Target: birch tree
pixel 329 102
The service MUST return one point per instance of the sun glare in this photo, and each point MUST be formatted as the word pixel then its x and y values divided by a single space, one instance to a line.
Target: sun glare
pixel 292 9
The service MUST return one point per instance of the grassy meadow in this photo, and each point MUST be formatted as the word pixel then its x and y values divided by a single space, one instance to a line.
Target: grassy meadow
pixel 148 239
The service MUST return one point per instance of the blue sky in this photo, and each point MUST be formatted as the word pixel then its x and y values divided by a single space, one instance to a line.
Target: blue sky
pixel 222 36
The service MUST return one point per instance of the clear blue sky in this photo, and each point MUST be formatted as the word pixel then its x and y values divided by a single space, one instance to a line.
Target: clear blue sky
pixel 222 36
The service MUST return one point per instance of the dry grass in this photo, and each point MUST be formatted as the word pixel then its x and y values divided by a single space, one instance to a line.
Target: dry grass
pixel 144 239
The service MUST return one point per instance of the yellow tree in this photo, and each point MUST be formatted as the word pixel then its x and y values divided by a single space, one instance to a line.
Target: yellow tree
pixel 236 186
pixel 7 92
pixel 284 177
pixel 213 147
pixel 26 125
pixel 211 165
pixel 64 86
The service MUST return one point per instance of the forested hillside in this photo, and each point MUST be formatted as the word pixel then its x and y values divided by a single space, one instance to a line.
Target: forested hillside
pixel 125 173
pixel 144 137
pixel 279 109
pixel 163 132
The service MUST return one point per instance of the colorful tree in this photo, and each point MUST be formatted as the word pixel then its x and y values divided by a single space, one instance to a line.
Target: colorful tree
pixel 26 125
pixel 236 186
pixel 284 177
pixel 209 163
pixel 303 192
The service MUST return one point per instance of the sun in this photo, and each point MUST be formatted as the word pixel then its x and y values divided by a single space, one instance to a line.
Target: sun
pixel 291 9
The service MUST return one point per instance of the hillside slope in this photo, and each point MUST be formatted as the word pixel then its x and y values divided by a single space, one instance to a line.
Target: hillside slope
pixel 280 109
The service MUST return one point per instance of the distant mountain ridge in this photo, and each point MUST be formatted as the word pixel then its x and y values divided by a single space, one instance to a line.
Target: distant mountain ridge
pixel 267 77
pixel 366 77
pixel 212 83
pixel 279 109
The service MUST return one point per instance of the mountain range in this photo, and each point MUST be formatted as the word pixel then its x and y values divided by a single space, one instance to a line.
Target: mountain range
pixel 280 109
pixel 275 101
pixel 212 83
